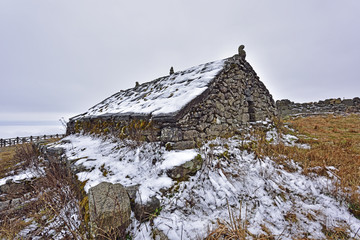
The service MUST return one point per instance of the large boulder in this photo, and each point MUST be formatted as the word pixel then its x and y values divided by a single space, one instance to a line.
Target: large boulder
pixel 109 207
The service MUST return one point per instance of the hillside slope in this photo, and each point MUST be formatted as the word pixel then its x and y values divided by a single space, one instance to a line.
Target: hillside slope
pixel 265 184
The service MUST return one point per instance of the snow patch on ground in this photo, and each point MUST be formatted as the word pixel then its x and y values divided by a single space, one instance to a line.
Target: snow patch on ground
pixel 121 162
pixel 26 174
pixel 285 202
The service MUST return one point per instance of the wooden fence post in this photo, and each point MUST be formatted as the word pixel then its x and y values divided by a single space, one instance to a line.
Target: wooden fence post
pixel 18 140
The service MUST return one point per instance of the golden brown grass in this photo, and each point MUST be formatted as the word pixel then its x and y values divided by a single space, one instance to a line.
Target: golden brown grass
pixel 334 141
pixel 7 161
pixel 236 228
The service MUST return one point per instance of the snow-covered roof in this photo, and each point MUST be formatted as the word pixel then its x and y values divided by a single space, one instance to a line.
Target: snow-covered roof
pixel 164 96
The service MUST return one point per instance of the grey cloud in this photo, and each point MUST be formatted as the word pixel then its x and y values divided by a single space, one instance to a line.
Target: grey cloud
pixel 66 56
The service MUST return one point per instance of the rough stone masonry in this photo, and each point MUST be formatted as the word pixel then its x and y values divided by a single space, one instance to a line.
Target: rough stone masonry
pixel 232 99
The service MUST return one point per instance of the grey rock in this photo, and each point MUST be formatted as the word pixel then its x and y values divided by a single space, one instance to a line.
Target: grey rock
pixel 241 51
pixel 169 134
pixel 201 127
pixel 4 205
pixel 183 145
pixel 146 211
pixel 132 190
pixel 158 235
pixel 191 134
pixel 184 171
pixel 348 102
pixel 109 207
pixel 55 151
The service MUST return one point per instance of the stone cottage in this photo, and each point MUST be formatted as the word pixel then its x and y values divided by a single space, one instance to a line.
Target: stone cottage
pixel 200 103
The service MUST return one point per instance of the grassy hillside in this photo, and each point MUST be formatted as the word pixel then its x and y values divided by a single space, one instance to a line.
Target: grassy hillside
pixel 335 141
pixel 322 146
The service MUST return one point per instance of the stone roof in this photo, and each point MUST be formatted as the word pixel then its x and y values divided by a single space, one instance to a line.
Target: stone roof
pixel 163 97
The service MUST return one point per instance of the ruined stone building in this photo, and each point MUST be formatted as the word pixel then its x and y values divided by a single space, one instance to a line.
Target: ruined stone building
pixel 286 107
pixel 203 102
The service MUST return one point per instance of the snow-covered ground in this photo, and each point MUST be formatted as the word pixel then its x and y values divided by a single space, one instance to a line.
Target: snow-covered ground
pixel 272 197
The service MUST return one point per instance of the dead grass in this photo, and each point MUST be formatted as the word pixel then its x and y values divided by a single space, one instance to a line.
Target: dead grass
pixel 236 228
pixel 55 198
pixel 233 228
pixel 7 161
pixel 334 141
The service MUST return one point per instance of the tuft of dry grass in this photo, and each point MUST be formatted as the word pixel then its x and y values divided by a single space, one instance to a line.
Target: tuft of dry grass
pixel 233 228
pixel 236 228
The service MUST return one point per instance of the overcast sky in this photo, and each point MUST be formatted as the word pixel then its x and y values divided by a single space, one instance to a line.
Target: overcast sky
pixel 59 58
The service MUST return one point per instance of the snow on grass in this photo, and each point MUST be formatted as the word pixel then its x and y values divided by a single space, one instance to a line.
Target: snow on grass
pixel 166 95
pixel 268 195
pixel 289 140
pixel 271 197
pixel 26 174
pixel 120 162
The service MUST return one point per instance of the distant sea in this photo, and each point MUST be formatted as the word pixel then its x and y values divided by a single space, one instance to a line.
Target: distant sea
pixel 11 129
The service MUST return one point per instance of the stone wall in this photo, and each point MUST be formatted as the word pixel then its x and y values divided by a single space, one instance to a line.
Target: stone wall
pixel 286 107
pixel 235 98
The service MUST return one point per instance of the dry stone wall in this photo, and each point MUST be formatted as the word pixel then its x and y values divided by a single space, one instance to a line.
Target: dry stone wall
pixel 286 107
pixel 234 98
